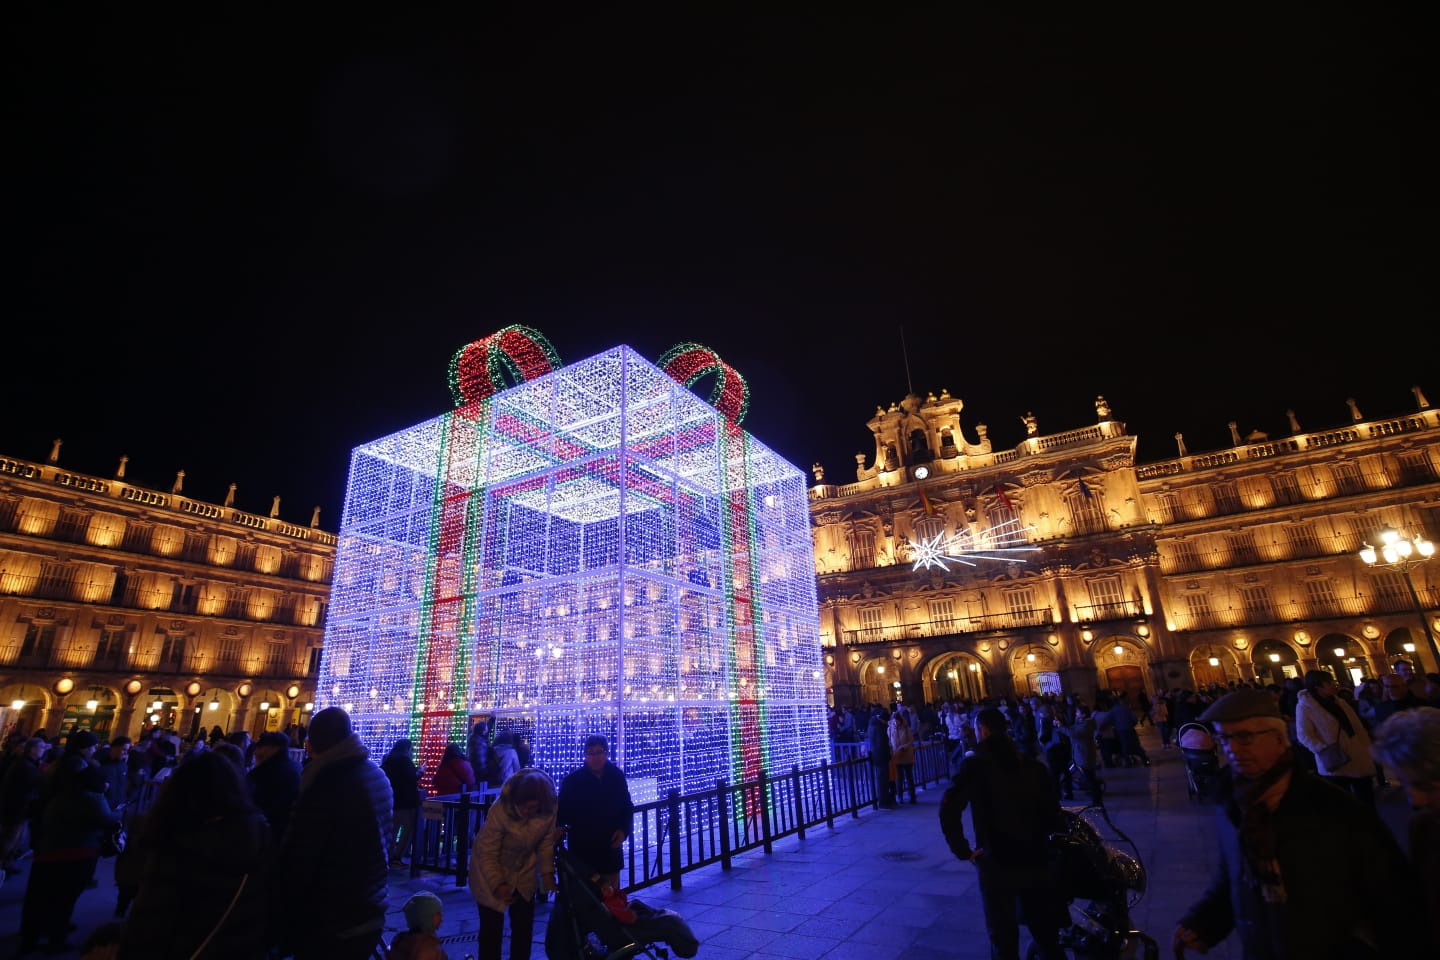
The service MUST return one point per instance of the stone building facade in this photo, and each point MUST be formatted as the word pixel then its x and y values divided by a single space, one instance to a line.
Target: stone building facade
pixel 121 607
pixel 950 569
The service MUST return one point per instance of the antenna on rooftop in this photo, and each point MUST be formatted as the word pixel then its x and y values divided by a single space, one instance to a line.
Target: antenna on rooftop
pixel 909 387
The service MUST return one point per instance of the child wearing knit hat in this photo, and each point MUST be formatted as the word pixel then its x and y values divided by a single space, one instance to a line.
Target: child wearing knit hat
pixel 423 913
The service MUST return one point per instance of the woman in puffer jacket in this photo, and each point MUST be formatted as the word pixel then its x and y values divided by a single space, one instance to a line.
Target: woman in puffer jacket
pixel 514 848
pixel 1324 721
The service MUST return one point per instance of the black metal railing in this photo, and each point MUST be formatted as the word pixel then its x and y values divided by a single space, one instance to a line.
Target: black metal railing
pixel 675 835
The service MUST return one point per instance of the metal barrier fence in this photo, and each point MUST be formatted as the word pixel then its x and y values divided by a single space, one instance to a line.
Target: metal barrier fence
pixel 677 834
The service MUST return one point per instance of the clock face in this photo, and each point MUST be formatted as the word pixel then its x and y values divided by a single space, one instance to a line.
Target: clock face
pixel 921 473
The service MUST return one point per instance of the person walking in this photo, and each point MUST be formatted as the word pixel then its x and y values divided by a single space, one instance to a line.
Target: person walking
pixel 595 810
pixel 1329 728
pixel 204 844
pixel 1014 810
pixel 902 753
pixel 274 781
pixel 877 736
pixel 332 874
pixel 1408 744
pixel 1305 869
pixel 404 775
pixel 67 850
pixel 514 847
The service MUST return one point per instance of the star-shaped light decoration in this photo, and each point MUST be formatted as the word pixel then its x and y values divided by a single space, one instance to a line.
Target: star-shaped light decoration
pixel 964 547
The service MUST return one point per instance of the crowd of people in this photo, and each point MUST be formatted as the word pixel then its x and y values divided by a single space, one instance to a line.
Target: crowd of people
pixel 241 833
pixel 1306 866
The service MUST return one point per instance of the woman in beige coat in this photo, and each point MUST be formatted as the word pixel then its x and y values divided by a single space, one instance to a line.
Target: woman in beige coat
pixel 513 852
pixel 1330 728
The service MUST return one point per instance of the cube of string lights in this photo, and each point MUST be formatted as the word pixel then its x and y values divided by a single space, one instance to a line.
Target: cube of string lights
pixel 593 551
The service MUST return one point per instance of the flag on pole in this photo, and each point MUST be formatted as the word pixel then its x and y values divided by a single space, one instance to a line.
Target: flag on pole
pixel 1000 492
pixel 1085 489
pixel 926 504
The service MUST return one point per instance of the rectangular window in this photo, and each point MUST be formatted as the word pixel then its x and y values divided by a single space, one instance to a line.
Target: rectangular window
pixel 1389 585
pixel 1086 513
pixel 110 648
pixel 1242 547
pixel 1347 477
pixel 1197 606
pixel 1226 499
pixel 862 549
pixel 1167 508
pixel 872 623
pixel 1001 514
pixel 312 666
pixel 39 640
pixel 1257 601
pixel 1184 555
pixel 1320 594
pixel 1303 540
pixel 942 616
pixel 228 654
pixel 172 651
pixel 277 657
pixel 1287 490
pixel 1106 591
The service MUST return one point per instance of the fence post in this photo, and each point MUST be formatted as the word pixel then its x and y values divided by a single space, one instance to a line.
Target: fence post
pixel 459 832
pixel 673 828
pixel 855 768
pixel 827 773
pixel 799 801
pixel 722 810
pixel 764 804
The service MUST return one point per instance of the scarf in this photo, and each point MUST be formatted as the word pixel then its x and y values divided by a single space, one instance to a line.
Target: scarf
pixel 1334 710
pixel 1258 845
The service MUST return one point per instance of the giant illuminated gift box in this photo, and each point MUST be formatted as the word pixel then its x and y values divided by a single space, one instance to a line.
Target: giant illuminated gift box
pixel 593 551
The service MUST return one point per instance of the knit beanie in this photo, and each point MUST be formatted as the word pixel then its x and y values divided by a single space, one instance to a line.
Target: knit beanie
pixel 420 911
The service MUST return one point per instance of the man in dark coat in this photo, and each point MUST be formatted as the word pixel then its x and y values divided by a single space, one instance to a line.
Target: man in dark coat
pixel 1305 869
pixel 332 872
pixel 877 739
pixel 274 781
pixel 597 812
pixel 1015 808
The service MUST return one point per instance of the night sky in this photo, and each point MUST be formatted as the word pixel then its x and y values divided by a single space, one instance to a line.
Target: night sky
pixel 242 246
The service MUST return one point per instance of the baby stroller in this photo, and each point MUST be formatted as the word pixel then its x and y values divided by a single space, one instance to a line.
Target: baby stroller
pixel 1101 884
pixel 581 926
pixel 1202 760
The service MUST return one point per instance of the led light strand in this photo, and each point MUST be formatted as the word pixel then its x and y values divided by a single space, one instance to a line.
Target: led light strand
pixel 688 362
pixel 595 550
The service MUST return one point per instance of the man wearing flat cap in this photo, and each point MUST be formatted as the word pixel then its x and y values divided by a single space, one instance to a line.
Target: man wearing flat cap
pixel 1305 870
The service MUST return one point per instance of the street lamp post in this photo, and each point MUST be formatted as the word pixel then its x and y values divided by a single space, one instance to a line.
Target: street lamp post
pixel 1398 553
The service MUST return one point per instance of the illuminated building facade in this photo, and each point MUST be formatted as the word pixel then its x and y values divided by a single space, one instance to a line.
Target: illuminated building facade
pixel 594 550
pixel 123 606
pixel 1238 564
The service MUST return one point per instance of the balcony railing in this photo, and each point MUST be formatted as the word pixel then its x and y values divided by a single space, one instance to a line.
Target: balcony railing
pixel 83 656
pixel 287 613
pixel 1197 561
pixel 1359 605
pixel 1115 610
pixel 952 626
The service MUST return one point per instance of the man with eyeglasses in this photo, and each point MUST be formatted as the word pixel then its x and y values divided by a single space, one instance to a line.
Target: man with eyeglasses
pixel 1305 870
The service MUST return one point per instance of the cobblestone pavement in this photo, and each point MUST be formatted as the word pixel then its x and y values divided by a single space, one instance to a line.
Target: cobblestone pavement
pixel 880 887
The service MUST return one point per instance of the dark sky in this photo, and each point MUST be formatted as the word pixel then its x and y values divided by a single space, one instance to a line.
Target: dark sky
pixel 244 243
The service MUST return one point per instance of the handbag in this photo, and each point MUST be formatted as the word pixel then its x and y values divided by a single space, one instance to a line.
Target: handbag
pixel 112 841
pixel 1333 756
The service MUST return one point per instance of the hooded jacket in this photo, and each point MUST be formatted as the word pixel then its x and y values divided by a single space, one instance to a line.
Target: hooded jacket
pixel 511 850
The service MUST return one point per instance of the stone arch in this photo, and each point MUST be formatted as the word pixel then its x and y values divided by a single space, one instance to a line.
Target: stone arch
pixel 1401 644
pixel 1214 663
pixel 956 674
pixel 1275 661
pixel 1034 668
pixel 877 677
pixel 1122 667
pixel 1351 659
pixel 35 704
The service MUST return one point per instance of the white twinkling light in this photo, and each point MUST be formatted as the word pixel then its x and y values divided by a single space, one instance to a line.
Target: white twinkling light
pixel 593 551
